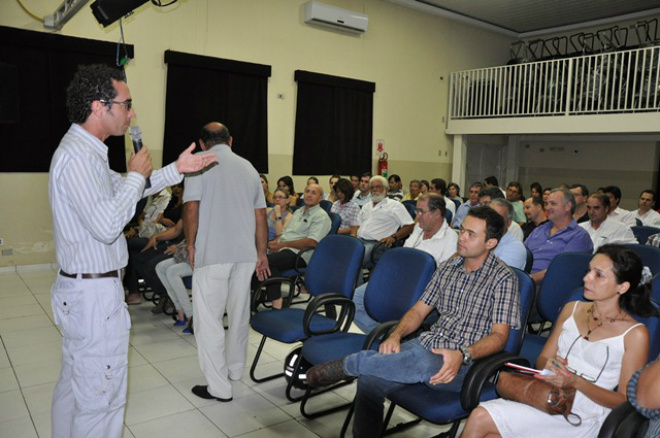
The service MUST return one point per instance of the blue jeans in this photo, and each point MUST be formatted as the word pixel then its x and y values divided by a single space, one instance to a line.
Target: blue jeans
pixel 362 319
pixel 381 374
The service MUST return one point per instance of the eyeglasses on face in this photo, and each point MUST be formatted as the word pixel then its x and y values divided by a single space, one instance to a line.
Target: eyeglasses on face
pixel 128 103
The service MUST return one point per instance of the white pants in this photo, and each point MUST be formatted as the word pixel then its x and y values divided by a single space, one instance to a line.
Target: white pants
pixel 171 275
pixel 90 395
pixel 216 289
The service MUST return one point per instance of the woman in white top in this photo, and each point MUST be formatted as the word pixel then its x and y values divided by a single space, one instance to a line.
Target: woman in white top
pixel 595 347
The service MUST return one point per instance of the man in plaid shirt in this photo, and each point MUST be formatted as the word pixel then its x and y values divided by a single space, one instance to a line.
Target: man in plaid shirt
pixel 477 299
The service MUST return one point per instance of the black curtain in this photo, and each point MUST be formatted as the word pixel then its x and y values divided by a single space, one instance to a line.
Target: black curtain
pixel 45 64
pixel 202 89
pixel 334 118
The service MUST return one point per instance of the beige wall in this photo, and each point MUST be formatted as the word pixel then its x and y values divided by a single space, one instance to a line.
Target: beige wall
pixel 406 53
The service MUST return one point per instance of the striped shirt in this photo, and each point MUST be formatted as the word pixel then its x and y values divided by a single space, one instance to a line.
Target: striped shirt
pixel 469 303
pixel 91 204
pixel 348 213
pixel 653 415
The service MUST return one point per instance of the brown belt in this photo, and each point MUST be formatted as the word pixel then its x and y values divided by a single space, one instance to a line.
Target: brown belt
pixel 114 274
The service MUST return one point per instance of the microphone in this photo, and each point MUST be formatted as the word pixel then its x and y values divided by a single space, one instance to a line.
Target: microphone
pixel 136 135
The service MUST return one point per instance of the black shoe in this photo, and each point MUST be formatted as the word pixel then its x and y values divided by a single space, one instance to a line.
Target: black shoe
pixel 326 374
pixel 202 391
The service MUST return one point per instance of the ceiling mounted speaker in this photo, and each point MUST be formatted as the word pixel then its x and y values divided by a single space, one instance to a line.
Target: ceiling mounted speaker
pixel 109 11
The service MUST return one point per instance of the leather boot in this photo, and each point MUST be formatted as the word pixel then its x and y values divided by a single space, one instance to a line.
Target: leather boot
pixel 326 374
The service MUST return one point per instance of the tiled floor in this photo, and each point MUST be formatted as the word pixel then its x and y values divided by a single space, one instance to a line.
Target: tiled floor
pixel 163 369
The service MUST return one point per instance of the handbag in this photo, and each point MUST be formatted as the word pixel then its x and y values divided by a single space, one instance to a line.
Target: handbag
pixel 538 394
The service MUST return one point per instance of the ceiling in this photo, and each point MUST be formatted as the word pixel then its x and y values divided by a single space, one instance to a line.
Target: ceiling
pixel 527 18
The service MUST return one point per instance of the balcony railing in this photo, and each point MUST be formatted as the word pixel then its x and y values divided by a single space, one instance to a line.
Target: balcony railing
pixel 617 82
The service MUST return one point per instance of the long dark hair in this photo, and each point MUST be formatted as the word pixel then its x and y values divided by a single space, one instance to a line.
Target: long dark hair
pixel 289 183
pixel 628 266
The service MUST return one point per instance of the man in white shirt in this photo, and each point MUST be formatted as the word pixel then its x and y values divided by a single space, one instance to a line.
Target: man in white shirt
pixel 91 204
pixel 602 228
pixel 617 213
pixel 431 234
pixel 486 196
pixel 439 186
pixel 646 213
pixel 383 219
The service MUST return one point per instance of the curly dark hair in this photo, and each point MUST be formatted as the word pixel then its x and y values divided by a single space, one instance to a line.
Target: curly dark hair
pixel 90 83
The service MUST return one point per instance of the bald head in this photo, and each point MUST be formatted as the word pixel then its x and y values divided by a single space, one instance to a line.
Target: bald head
pixel 214 133
pixel 313 195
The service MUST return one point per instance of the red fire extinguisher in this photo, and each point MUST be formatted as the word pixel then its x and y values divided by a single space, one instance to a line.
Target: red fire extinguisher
pixel 382 164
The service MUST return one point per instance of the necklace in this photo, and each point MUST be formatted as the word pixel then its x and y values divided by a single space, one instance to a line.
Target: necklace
pixel 600 320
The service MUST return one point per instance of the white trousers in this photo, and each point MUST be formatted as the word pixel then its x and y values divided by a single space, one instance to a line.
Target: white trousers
pixel 171 275
pixel 90 395
pixel 216 289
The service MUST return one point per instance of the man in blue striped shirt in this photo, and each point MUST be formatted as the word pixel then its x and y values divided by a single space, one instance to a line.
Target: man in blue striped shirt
pixel 91 204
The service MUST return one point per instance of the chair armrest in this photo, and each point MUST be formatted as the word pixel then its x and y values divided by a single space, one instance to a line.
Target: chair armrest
pixel 481 372
pixel 381 331
pixel 343 319
pixel 258 293
pixel 299 258
pixel 622 418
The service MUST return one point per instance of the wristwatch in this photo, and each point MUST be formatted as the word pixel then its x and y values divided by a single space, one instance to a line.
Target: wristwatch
pixel 467 357
pixel 393 236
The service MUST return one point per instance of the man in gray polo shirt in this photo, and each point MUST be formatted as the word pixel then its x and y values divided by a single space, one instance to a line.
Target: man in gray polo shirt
pixel 307 227
pixel 225 227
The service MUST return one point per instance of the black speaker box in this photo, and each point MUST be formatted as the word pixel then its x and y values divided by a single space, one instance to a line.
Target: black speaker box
pixel 8 93
pixel 109 11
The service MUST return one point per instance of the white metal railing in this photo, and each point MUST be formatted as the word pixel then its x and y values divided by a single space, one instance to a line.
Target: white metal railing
pixel 617 82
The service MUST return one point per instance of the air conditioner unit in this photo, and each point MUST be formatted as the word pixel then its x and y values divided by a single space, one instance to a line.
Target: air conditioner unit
pixel 320 14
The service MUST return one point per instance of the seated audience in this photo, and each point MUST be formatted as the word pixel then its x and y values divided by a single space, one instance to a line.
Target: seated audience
pixel 510 249
pixel 286 183
pixel 580 193
pixel 264 184
pixel 644 395
pixel 560 234
pixel 546 193
pixel 363 194
pixel 594 349
pixel 345 207
pixel 645 212
pixel 395 188
pixel 491 181
pixel 535 213
pixel 414 191
pixel 486 196
pixel 477 298
pixel 603 229
pixel 514 194
pixel 431 234
pixel 171 273
pixel 279 215
pixel 383 219
pixel 617 213
pixel 439 186
pixel 536 190
pixel 425 187
pixel 312 180
pixel 454 193
pixel 473 201
pixel 330 196
pixel 308 225
pixel 355 182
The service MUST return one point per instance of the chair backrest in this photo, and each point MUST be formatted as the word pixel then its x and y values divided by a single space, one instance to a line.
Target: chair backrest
pixel 412 208
pixel 650 256
pixel 448 216
pixel 397 282
pixel 527 290
pixel 336 222
pixel 334 266
pixel 326 205
pixel 529 262
pixel 642 233
pixel 564 274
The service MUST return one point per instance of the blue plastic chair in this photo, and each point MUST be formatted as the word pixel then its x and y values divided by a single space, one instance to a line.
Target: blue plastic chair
pixel 396 284
pixel 650 256
pixel 326 205
pixel 332 271
pixel 642 233
pixel 444 407
pixel 336 222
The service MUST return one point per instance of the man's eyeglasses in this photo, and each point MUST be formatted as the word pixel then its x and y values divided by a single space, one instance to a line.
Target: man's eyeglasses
pixel 422 211
pixel 128 103
pixel 599 350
